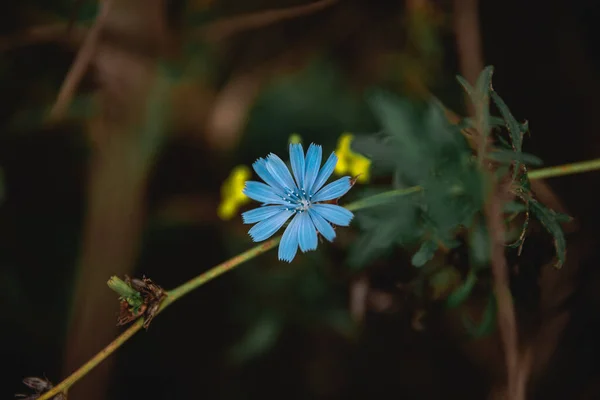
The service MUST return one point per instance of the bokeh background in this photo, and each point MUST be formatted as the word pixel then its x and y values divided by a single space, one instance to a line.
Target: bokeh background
pixel 128 180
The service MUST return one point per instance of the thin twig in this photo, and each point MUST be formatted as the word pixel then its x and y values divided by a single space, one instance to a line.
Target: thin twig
pixel 468 42
pixel 81 63
pixel 231 26
pixel 507 322
pixel 215 31
pixel 55 32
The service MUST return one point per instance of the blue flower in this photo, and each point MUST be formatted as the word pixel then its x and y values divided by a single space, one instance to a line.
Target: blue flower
pixel 302 197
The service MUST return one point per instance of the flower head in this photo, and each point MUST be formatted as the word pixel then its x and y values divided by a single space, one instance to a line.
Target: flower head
pixel 351 162
pixel 302 197
pixel 232 196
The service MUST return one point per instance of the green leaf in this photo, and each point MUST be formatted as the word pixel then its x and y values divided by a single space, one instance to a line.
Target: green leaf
pixel 121 287
pixel 484 83
pixel 488 321
pixel 261 336
pixel 479 245
pixel 384 226
pixel 514 207
pixel 398 119
pixel 378 149
pixel 508 156
pixel 513 126
pixel 550 219
pixel 442 281
pixel 495 122
pixel 466 86
pixel 425 253
pixel 463 291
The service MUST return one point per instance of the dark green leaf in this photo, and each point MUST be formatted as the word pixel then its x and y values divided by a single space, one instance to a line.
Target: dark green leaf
pixel 512 124
pixel 514 207
pixel 484 83
pixel 425 253
pixel 549 219
pixel 479 245
pixel 508 156
pixel 259 338
pixel 462 292
pixel 488 321
pixel 495 122
pixel 466 86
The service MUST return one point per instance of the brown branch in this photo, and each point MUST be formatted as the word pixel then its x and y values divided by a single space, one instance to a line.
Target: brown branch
pixel 80 65
pixel 468 42
pixel 56 32
pixel 507 322
pixel 219 30
pixel 231 26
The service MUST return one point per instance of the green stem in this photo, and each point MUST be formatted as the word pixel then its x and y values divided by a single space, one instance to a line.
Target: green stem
pixel 93 362
pixel 381 198
pixel 219 270
pixel 566 169
pixel 230 264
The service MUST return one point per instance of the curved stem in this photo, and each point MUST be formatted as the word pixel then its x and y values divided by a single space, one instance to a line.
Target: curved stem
pixel 230 264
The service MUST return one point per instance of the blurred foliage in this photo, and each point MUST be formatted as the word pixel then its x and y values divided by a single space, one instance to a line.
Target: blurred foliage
pixel 414 144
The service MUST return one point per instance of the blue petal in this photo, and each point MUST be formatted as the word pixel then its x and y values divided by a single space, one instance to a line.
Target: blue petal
pixel 289 242
pixel 261 213
pixel 307 234
pixel 323 227
pixel 325 173
pixel 260 166
pixel 260 192
pixel 297 161
pixel 334 190
pixel 334 214
pixel 267 228
pixel 280 171
pixel 312 165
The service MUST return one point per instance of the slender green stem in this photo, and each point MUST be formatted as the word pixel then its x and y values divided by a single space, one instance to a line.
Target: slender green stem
pixel 566 169
pixel 93 362
pixel 230 264
pixel 220 270
pixel 381 198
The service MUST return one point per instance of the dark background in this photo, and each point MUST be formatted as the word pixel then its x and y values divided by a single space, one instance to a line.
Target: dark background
pixel 270 329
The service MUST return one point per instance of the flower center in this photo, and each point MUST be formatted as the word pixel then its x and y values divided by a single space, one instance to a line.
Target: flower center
pixel 304 204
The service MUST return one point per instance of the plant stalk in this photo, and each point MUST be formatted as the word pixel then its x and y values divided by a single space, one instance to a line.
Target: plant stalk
pixel 194 283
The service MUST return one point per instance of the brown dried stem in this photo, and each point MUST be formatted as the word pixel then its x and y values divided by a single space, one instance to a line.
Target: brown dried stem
pixel 81 63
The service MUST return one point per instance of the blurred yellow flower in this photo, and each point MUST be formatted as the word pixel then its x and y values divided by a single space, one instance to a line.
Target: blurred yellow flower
pixel 295 138
pixel 350 162
pixel 232 196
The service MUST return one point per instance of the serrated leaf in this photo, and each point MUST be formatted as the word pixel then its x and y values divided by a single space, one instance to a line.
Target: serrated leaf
pixel 383 227
pixel 462 292
pixel 549 219
pixel 482 105
pixel 425 253
pixel 384 157
pixel 484 83
pixel 488 321
pixel 560 217
pixel 508 156
pixel 513 126
pixel 466 86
